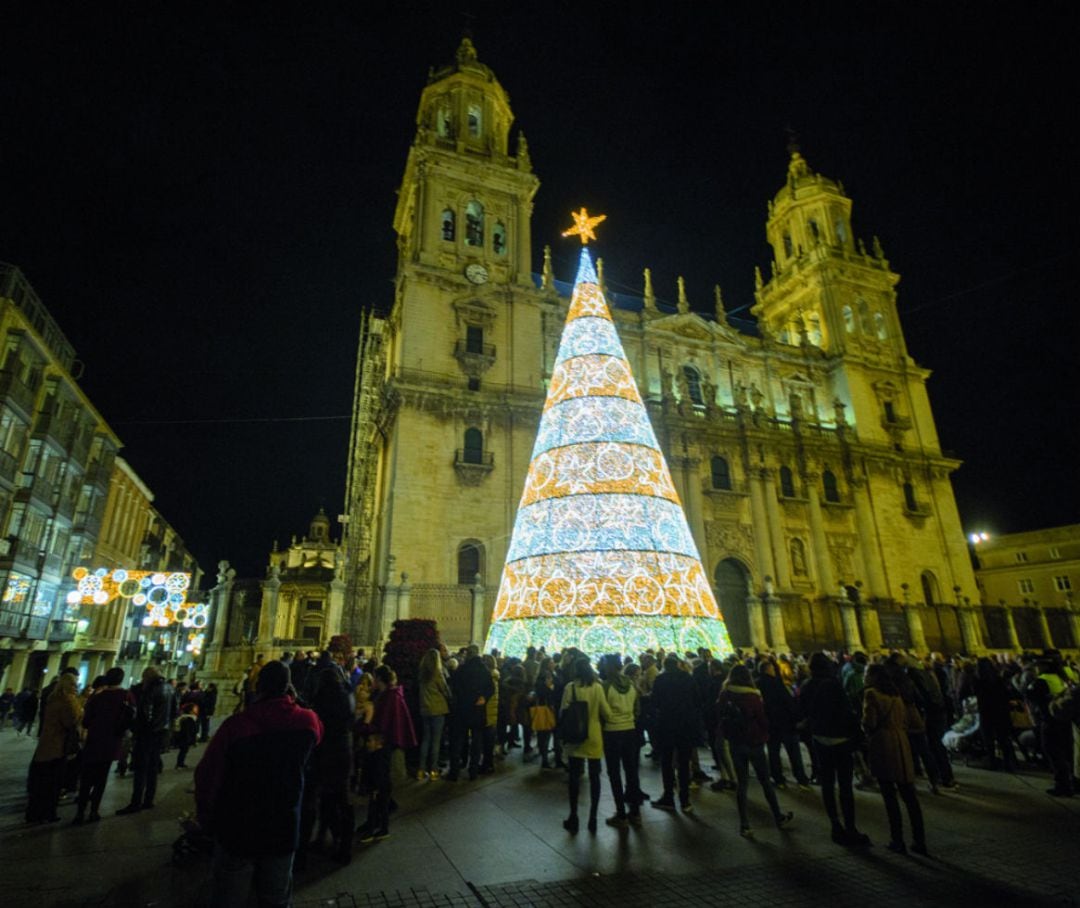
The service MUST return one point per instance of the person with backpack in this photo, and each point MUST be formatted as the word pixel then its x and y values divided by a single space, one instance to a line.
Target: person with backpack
pixel 583 712
pixel 741 713
pixel 109 713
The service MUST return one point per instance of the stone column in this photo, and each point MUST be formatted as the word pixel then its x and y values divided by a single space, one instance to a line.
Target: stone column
pixel 867 532
pixel 914 622
pixel 850 621
pixel 776 531
pixel 1074 621
pixel 335 606
pixel 825 581
pixel 762 549
pixel 93 666
pixel 695 505
pixel 1044 626
pixel 757 622
pixel 16 672
pixel 390 600
pixel 220 597
pixel 52 666
pixel 271 590
pixel 776 623
pixel 404 595
pixel 871 626
pixel 476 624
pixel 1010 623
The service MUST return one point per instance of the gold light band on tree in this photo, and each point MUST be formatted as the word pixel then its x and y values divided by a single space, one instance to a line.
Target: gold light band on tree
pixel 591 375
pixel 595 468
pixel 605 583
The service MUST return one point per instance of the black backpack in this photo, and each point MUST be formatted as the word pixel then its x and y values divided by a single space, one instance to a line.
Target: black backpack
pixel 733 721
pixel 574 721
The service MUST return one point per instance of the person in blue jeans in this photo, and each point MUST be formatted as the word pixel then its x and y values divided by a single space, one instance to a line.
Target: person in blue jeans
pixel 434 707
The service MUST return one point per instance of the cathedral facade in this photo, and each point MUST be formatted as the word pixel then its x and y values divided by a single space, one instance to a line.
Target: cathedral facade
pixel 803 449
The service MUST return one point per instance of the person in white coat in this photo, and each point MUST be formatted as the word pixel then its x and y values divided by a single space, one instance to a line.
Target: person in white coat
pixel 584 687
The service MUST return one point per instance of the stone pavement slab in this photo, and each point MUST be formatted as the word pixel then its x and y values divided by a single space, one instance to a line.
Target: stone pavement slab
pixel 999 840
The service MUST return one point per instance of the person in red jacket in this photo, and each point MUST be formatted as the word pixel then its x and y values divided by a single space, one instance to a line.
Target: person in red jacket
pixel 248 788
pixel 742 717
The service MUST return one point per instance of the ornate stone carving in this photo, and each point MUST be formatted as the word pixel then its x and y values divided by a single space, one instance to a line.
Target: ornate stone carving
pixel 731 538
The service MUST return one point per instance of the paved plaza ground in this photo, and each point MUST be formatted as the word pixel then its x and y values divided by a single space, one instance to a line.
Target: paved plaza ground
pixel 1000 840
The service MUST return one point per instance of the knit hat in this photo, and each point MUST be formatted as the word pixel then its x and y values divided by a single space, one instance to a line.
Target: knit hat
pixel 274 679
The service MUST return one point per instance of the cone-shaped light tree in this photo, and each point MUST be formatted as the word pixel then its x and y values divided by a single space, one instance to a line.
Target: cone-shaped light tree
pixel 601 557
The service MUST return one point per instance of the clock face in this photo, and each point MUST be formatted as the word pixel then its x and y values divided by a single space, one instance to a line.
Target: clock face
pixel 476 273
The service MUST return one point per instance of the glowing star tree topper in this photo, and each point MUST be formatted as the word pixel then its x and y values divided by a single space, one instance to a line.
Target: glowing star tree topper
pixel 601 556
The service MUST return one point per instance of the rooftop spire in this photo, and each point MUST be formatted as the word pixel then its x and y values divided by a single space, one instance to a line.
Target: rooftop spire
pixel 650 295
pixel 684 303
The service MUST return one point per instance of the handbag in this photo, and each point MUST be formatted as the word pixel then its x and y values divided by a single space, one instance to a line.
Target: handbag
pixel 541 718
pixel 574 721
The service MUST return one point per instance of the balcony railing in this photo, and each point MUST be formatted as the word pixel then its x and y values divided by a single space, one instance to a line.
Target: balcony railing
pixel 472 466
pixel 15 286
pixel 38 487
pixel 37 628
pixel 11 624
pixel 8 466
pixel 98 474
pixel 12 388
pixel 62 631
pixel 52 426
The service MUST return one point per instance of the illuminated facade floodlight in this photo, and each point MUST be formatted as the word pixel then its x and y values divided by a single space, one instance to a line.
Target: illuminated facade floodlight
pixel 601 556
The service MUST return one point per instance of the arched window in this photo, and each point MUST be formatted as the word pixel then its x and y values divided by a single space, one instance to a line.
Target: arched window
pixel 721 473
pixel 474 119
pixel 448 224
pixel 798 558
pixel 474 224
pixel 849 320
pixel 841 232
pixel 832 491
pixel 909 497
pixel 879 326
pixel 814 232
pixel 787 245
pixel 787 482
pixel 693 382
pixel 930 589
pixel 498 239
pixel 444 126
pixel 470 562
pixel 474 446
pixel 864 318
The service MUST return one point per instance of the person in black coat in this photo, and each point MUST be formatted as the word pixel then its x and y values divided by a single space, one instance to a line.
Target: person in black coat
pixel 781 711
pixel 675 701
pixel 834 733
pixel 472 686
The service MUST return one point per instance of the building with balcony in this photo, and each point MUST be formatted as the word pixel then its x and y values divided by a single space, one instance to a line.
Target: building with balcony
pixel 66 500
pixel 1028 586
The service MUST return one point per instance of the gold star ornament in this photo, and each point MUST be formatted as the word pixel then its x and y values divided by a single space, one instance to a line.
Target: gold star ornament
pixel 583 225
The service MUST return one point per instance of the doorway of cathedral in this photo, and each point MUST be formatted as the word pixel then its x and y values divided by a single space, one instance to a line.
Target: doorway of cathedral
pixel 732 581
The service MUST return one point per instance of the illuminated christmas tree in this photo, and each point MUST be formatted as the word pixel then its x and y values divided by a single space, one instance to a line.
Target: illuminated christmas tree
pixel 601 557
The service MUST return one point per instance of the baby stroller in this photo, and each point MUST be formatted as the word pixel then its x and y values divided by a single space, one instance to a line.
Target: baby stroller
pixel 193 842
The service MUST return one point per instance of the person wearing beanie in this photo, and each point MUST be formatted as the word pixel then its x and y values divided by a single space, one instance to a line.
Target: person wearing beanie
pixel 248 787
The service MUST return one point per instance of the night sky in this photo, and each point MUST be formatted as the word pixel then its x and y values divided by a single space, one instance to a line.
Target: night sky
pixel 203 195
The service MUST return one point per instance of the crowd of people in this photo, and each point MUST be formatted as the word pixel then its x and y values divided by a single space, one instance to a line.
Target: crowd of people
pixel 313 731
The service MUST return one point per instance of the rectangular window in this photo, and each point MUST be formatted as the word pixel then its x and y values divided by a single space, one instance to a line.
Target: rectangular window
pixel 1063 584
pixel 474 339
pixel 890 412
pixel 1026 586
pixel 313 605
pixel 1054 552
pixel 474 384
pixel 1021 556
